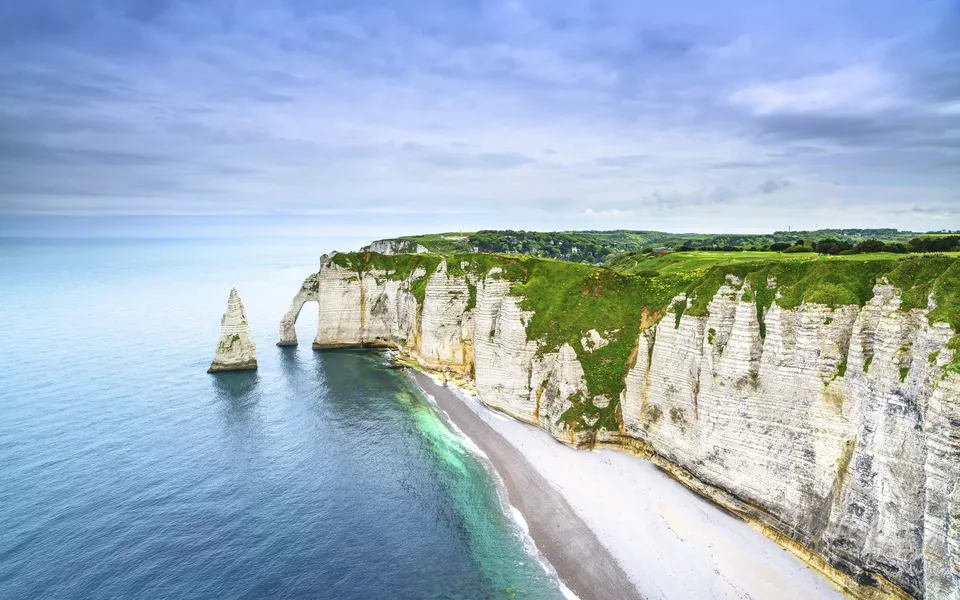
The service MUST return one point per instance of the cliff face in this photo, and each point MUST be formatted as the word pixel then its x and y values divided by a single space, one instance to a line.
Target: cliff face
pixel 236 350
pixel 393 247
pixel 835 430
pixel 842 463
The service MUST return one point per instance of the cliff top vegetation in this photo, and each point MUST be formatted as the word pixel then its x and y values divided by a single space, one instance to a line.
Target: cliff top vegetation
pixel 600 247
pixel 566 300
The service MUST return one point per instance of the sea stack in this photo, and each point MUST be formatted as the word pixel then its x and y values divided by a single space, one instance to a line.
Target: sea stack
pixel 236 351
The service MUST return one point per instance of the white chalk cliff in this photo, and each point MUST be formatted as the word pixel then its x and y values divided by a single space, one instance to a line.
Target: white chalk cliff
pixel 393 247
pixel 837 432
pixel 236 350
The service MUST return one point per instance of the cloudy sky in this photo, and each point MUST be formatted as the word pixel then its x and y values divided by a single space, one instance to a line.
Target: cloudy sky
pixel 406 116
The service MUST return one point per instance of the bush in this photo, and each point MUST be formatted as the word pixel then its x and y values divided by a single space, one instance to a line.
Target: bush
pixel 797 249
pixel 779 246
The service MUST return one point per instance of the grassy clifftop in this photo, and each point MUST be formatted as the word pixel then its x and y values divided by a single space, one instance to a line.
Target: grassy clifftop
pixel 569 299
pixel 601 247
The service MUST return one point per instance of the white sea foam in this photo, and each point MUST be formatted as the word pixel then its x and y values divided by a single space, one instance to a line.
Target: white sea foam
pixel 523 529
pixel 518 517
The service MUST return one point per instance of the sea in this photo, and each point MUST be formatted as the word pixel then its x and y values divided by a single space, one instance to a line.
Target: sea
pixel 127 471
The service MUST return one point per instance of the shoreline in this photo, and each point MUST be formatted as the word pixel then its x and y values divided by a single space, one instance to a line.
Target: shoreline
pixel 581 561
pixel 664 541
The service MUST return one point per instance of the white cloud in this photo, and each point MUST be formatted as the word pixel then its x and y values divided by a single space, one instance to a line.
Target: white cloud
pixel 860 88
pixel 607 213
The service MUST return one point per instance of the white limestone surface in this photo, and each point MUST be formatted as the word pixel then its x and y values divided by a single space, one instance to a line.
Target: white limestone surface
pixel 236 350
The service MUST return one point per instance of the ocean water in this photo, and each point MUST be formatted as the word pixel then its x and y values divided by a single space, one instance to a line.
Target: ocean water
pixel 126 471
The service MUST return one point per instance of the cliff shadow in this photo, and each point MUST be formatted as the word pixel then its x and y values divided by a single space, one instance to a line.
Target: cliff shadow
pixel 238 387
pixel 238 409
pixel 290 362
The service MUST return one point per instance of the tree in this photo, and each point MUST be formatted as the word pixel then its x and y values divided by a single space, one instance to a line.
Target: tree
pixel 870 246
pixel 831 246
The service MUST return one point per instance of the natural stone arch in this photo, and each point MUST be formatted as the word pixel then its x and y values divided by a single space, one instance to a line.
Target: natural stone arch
pixel 288 324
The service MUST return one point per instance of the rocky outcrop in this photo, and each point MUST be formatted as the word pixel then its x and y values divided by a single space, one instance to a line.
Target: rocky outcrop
pixel 835 430
pixel 236 350
pixel 394 247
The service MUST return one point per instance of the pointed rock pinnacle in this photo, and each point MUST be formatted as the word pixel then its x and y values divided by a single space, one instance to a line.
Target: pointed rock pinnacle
pixel 236 350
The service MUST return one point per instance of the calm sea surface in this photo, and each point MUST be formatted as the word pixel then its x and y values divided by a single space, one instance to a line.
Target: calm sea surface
pixel 128 472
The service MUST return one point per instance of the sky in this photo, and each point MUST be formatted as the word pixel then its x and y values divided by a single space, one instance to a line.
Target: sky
pixel 401 117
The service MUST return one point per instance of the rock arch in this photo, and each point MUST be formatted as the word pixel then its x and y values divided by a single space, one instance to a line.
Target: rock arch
pixel 288 324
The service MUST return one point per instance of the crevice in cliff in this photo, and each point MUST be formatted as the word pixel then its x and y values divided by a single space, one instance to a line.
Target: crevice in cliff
pixel 651 340
pixel 843 467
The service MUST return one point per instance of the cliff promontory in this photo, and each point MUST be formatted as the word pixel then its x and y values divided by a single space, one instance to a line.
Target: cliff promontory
pixel 236 350
pixel 819 400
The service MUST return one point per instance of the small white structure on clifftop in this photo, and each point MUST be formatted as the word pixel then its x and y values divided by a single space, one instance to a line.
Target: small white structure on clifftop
pixel 236 350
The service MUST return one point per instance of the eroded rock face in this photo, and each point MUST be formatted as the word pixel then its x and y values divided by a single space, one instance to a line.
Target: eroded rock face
pixel 309 291
pixel 393 247
pixel 833 425
pixel 236 350
pixel 815 423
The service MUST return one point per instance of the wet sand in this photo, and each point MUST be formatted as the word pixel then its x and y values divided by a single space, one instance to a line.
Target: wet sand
pixel 581 561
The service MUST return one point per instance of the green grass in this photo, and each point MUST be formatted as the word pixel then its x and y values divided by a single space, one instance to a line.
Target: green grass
pixel 685 262
pixel 570 299
pixel 954 344
pixel 677 309
pixel 396 268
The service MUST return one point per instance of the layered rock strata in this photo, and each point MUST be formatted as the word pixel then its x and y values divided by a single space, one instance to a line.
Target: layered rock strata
pixel 236 350
pixel 393 247
pixel 836 431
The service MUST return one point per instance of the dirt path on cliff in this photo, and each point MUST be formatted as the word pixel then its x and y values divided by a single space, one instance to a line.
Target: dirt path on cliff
pixel 581 561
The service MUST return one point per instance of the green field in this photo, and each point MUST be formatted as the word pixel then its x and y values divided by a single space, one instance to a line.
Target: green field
pixel 602 247
pixel 690 262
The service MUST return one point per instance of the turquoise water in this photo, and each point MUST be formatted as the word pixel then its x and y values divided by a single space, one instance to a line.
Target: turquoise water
pixel 128 472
